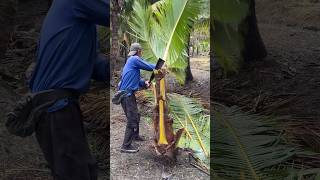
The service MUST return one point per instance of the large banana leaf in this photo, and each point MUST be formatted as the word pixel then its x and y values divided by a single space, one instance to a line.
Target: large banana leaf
pixel 247 146
pixel 163 30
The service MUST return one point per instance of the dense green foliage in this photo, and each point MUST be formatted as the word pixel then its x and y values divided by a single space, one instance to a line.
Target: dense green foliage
pixel 190 115
pixel 163 29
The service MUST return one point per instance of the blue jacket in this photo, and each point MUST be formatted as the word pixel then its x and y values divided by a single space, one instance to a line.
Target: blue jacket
pixel 130 76
pixel 67 51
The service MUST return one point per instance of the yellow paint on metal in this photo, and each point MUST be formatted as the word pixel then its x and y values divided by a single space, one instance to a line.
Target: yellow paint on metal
pixel 162 132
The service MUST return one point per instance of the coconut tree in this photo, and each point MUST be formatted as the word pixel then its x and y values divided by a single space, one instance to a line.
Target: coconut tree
pixel 235 33
pixel 115 19
pixel 120 14
pixel 163 29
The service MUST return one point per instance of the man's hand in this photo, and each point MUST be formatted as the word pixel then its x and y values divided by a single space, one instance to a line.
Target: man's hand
pixel 147 84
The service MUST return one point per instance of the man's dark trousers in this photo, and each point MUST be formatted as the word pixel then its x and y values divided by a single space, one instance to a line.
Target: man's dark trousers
pixel 62 138
pixel 130 108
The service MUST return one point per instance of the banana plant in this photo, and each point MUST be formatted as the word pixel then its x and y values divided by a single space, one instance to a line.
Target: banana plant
pixel 163 29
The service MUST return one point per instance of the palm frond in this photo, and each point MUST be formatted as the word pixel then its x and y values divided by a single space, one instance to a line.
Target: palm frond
pixel 163 29
pixel 228 45
pixel 247 146
pixel 190 115
pixel 305 174
pixel 141 24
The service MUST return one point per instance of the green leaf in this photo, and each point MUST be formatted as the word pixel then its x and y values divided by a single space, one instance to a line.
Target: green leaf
pixel 247 146
pixel 190 115
pixel 228 46
pixel 227 35
pixel 229 11
pixel 163 30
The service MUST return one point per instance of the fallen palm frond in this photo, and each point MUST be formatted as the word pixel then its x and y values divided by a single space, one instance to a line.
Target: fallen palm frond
pixel 95 109
pixel 188 114
pixel 95 114
pixel 247 146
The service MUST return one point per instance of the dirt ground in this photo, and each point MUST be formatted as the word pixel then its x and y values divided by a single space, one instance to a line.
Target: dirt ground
pixel 20 158
pixel 287 81
pixel 146 164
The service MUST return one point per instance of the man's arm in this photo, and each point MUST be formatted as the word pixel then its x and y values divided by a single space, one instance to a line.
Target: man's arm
pixel 141 64
pixel 100 70
pixel 96 11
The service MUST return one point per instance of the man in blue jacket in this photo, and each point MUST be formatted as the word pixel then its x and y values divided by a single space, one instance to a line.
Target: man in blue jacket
pixel 66 61
pixel 131 82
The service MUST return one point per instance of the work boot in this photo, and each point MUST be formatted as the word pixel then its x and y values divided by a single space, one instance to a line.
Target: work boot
pixel 139 138
pixel 129 149
pixel 128 138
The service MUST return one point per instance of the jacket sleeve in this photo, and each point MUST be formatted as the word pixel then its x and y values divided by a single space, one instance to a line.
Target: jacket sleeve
pixel 142 64
pixel 142 83
pixel 101 69
pixel 96 11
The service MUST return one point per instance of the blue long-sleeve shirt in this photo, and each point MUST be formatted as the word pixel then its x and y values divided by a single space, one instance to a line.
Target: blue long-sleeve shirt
pixel 67 56
pixel 130 76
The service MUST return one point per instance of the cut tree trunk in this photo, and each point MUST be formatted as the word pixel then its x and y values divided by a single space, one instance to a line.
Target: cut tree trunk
pixel 165 140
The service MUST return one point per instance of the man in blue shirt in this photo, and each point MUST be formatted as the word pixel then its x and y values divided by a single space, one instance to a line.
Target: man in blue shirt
pixel 66 61
pixel 131 82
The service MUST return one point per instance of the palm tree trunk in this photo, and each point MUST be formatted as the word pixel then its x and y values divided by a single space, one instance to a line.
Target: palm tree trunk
pixel 165 140
pixel 189 76
pixel 254 46
pixel 114 52
pixel 7 15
